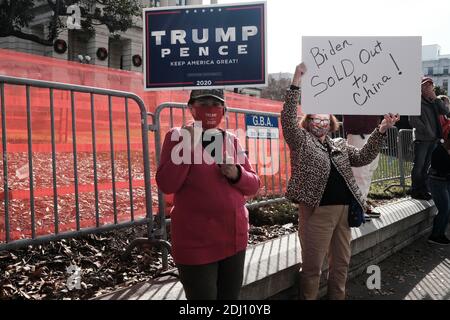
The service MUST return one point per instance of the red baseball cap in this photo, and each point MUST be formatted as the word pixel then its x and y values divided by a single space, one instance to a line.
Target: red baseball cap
pixel 426 79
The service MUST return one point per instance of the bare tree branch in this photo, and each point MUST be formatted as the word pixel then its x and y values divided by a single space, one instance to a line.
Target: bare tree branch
pixel 26 36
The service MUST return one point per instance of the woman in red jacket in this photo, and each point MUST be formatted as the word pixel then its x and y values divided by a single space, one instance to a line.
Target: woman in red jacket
pixel 209 228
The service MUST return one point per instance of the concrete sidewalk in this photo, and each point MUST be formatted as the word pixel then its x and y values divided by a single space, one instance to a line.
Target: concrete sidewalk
pixel 421 271
pixel 271 268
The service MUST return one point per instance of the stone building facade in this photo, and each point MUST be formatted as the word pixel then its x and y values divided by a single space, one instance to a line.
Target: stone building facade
pixel 120 51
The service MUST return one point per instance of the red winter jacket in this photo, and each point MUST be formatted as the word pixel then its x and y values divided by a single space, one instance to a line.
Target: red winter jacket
pixel 209 218
pixel 445 124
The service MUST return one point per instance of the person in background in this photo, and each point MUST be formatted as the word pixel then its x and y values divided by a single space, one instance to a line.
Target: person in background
pixel 427 132
pixel 439 179
pixel 443 119
pixel 209 220
pixel 358 129
pixel 323 185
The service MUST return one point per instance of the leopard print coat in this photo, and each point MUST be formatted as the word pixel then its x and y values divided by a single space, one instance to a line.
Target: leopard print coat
pixel 310 160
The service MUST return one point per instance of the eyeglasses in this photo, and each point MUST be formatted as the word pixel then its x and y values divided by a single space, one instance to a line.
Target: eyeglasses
pixel 325 122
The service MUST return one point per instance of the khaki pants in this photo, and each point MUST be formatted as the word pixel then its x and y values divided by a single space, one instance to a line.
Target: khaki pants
pixel 324 230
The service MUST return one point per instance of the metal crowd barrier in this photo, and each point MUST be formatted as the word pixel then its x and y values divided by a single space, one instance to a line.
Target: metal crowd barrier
pixel 395 162
pixel 90 112
pixel 405 155
pixel 396 156
pixel 260 151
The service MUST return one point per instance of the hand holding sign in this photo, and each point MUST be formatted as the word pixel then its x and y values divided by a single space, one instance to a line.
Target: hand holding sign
pixel 388 122
pixel 299 72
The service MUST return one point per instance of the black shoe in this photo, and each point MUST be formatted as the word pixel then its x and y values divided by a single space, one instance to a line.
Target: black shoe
pixel 372 214
pixel 422 196
pixel 443 241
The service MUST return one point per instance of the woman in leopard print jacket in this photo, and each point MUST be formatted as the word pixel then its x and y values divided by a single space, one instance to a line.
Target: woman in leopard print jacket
pixel 323 185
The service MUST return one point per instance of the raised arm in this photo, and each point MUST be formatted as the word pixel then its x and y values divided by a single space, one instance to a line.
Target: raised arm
pixel 368 153
pixel 293 134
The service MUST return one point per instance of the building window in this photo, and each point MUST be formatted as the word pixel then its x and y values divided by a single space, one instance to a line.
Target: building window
pixel 181 2
pixel 445 85
pixel 430 71
pixel 445 70
pixel 77 46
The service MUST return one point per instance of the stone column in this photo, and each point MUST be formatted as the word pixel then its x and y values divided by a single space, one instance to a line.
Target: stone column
pixel 63 35
pixel 135 48
pixel 100 39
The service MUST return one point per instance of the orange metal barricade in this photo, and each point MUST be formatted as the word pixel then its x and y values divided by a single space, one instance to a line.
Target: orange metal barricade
pixel 55 70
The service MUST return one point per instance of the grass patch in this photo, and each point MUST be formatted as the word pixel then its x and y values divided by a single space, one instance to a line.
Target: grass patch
pixel 383 190
pixel 274 214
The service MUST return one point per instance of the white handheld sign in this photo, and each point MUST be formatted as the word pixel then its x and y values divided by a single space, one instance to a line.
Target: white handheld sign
pixel 362 75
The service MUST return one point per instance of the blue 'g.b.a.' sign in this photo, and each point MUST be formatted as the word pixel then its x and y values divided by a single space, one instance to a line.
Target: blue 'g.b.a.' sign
pixel 262 126
pixel 211 46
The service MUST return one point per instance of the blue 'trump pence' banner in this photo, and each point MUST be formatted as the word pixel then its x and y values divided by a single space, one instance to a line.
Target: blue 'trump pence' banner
pixel 212 46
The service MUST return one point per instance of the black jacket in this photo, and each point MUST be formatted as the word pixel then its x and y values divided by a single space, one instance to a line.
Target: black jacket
pixel 440 164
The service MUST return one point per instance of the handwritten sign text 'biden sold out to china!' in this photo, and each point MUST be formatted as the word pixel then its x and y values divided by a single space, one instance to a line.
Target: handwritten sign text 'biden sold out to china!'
pixel 361 75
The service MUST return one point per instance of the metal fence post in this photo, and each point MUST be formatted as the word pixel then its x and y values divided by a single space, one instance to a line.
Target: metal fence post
pixel 401 161
pixel 35 239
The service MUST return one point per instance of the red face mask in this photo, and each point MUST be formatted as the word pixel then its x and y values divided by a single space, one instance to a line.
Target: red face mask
pixel 210 116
